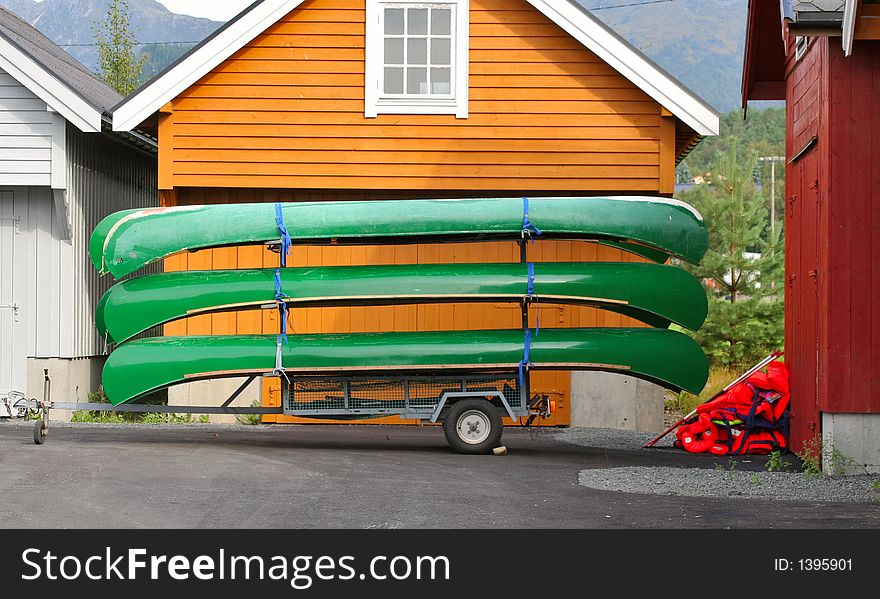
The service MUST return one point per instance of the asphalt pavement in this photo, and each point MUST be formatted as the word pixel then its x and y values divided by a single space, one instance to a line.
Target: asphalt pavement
pixel 358 476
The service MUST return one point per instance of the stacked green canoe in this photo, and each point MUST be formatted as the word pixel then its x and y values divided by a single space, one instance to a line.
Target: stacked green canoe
pixel 656 294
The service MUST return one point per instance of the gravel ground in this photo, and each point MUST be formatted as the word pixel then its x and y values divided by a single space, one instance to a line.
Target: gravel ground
pixel 606 438
pixel 719 477
pixel 703 482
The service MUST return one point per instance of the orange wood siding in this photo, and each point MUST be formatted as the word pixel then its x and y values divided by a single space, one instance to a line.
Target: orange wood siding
pixel 286 111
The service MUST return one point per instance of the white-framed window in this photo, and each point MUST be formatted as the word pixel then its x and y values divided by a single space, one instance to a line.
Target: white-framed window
pixel 416 57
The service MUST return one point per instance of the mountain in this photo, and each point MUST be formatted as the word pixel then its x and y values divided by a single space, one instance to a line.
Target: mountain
pixel 151 21
pixel 698 41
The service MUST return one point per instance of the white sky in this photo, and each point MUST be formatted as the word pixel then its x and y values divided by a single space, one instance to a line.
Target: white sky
pixel 218 10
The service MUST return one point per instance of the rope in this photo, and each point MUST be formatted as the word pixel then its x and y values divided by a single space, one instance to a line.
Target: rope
pixel 286 241
pixel 527 226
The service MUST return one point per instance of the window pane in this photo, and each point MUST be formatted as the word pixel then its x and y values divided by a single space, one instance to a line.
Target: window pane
pixel 394 80
pixel 441 21
pixel 417 81
pixel 440 83
pixel 417 21
pixel 417 51
pixel 393 21
pixel 441 51
pixel 394 51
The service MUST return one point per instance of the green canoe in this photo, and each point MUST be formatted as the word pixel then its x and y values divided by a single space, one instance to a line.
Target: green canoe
pixel 655 294
pixel 662 356
pixel 655 228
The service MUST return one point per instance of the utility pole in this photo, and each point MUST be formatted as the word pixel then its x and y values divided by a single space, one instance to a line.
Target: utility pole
pixel 772 160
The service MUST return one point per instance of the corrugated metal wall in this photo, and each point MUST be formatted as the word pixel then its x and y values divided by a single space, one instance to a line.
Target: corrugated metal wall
pixel 25 135
pixel 103 176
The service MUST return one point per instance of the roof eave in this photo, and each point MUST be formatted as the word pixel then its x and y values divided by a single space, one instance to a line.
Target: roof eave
pixel 43 84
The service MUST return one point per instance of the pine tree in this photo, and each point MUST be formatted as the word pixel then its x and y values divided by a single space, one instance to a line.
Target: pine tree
pixel 743 267
pixel 118 65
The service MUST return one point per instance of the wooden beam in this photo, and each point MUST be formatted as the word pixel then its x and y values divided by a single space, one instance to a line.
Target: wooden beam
pixel 166 150
pixel 667 155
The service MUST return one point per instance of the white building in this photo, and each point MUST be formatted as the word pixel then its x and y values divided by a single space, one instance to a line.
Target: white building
pixel 61 171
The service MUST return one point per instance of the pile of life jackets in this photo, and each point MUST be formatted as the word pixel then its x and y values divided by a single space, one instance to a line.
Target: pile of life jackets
pixel 750 418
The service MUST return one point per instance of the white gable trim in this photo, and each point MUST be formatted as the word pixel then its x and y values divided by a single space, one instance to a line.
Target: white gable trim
pixel 630 63
pixel 46 87
pixel 138 107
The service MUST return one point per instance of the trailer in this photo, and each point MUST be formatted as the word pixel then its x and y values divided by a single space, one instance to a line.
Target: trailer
pixel 470 406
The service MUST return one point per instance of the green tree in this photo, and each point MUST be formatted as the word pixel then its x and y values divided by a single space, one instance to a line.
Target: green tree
pixel 118 64
pixel 742 268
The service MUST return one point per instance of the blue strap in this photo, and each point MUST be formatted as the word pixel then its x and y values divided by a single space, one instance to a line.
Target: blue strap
pixel 531 268
pixel 282 305
pixel 527 225
pixel 524 363
pixel 531 292
pixel 286 241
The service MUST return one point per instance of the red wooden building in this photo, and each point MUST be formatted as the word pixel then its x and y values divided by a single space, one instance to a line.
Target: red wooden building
pixel 823 59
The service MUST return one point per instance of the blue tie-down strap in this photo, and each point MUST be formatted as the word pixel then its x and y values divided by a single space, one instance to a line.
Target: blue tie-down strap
pixel 525 363
pixel 531 294
pixel 527 227
pixel 286 241
pixel 282 305
pixel 531 271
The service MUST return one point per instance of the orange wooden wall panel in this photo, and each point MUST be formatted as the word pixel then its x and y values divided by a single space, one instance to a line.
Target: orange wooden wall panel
pixel 286 111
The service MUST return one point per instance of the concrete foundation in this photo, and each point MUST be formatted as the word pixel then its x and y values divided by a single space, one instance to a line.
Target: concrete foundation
pixel 607 400
pixel 213 392
pixel 72 380
pixel 851 443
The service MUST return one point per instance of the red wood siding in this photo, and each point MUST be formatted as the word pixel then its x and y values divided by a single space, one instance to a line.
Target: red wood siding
pixel 832 334
pixel 804 111
pixel 851 381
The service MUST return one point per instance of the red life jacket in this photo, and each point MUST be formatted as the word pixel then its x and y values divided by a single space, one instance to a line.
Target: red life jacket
pixel 754 441
pixel 697 437
pixel 750 418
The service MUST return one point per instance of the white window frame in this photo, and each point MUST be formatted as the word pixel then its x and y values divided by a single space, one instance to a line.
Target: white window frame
pixel 374 102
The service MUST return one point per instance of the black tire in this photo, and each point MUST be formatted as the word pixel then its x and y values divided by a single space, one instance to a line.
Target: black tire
pixel 39 432
pixel 483 422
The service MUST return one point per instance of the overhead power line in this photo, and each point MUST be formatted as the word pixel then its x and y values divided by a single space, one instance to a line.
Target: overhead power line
pixel 138 44
pixel 645 3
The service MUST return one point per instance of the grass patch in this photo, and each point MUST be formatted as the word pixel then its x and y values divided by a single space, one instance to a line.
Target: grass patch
pixel 108 417
pixel 685 402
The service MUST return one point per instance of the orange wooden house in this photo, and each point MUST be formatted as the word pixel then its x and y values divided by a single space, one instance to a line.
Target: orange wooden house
pixel 370 99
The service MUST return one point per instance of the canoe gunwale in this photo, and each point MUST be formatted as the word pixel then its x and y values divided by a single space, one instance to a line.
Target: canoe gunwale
pixel 383 300
pixel 391 371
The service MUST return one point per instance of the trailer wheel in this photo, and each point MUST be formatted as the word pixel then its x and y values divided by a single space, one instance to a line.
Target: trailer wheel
pixel 39 432
pixel 472 426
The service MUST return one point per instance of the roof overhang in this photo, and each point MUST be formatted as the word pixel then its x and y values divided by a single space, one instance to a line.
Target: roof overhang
pixel 764 63
pixel 578 23
pixel 43 84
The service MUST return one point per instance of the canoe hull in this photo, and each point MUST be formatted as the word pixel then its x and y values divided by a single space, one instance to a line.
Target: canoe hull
pixel 654 294
pixel 665 357
pixel 655 228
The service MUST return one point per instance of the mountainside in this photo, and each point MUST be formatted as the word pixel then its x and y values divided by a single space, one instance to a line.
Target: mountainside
pixel 151 21
pixel 699 41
